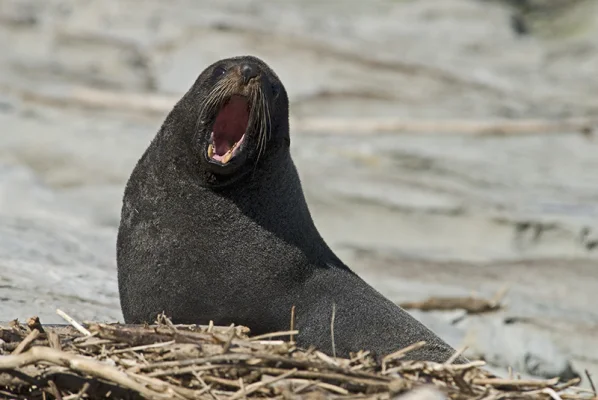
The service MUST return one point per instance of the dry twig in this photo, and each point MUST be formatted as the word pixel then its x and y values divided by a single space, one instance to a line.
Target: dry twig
pixel 74 323
pixel 26 342
pixel 591 382
pixel 190 362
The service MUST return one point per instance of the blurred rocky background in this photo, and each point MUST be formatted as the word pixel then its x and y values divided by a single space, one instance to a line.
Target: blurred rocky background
pixel 434 205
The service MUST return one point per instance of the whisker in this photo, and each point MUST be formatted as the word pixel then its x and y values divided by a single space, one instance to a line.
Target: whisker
pixel 267 131
pixel 269 121
pixel 215 97
pixel 258 112
pixel 264 124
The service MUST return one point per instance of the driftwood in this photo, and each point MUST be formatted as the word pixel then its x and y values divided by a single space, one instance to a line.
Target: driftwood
pixel 166 361
pixel 471 305
pixel 151 103
pixel 370 126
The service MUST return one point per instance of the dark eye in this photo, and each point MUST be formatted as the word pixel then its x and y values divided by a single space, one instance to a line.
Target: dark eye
pixel 218 71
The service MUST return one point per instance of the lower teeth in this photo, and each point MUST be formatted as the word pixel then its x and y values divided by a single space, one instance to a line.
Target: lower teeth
pixel 226 157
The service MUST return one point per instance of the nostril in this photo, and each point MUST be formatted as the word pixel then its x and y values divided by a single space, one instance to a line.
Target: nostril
pixel 248 72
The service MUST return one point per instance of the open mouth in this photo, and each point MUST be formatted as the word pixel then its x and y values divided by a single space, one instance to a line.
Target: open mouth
pixel 229 130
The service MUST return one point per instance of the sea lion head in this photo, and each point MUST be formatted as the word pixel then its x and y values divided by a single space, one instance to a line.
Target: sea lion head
pixel 243 116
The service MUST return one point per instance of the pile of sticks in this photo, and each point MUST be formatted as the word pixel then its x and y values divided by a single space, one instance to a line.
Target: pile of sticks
pixel 166 361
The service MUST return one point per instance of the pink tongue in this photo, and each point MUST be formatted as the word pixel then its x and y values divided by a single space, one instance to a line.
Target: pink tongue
pixel 230 124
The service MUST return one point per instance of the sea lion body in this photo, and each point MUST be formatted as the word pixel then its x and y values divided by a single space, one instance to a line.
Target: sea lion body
pixel 240 246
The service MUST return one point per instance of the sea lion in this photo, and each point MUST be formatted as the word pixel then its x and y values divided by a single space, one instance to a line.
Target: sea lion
pixel 215 226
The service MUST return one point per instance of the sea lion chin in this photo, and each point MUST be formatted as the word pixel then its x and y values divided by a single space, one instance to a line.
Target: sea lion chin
pixel 215 227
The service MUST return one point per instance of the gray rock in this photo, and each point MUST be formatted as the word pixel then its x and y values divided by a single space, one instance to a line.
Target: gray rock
pixel 46 264
pixel 422 393
pixel 522 347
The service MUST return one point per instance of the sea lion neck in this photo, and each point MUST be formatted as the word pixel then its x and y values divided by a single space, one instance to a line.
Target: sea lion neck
pixel 276 209
pixel 172 170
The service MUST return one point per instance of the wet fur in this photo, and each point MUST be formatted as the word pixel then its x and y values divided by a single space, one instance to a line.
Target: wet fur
pixel 247 251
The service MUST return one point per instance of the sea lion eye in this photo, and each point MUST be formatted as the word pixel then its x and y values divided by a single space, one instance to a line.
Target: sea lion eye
pixel 218 71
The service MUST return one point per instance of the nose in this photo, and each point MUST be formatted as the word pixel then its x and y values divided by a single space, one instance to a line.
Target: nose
pixel 248 72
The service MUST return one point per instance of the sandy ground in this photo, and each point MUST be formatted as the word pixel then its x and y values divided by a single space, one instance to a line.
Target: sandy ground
pixel 416 215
